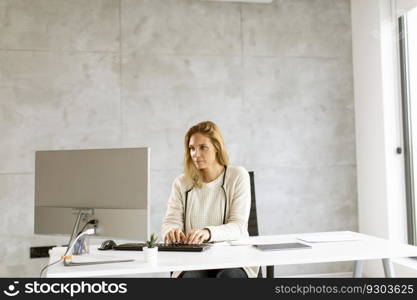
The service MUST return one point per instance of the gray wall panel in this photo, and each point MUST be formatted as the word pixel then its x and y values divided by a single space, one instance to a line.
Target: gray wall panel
pixel 124 73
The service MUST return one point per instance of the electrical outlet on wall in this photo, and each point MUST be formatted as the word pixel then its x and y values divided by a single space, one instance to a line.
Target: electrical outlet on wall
pixel 41 251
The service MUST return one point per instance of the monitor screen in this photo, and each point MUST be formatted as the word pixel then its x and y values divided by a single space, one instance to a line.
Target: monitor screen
pixel 113 183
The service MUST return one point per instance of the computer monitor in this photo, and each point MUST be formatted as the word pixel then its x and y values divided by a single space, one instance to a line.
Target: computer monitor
pixel 111 184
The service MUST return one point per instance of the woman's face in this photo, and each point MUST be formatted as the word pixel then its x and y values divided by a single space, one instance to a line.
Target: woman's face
pixel 202 151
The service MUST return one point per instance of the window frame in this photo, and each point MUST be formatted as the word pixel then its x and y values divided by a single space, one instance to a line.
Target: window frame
pixel 407 130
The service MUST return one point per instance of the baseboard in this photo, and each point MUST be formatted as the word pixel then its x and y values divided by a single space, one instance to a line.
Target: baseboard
pixel 321 275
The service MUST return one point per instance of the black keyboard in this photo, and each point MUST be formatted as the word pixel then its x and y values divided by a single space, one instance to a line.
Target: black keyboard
pixel 164 247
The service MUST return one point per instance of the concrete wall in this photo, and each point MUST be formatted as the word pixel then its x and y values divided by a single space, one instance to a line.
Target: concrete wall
pixel 276 78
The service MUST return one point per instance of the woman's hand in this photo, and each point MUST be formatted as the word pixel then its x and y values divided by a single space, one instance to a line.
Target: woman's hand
pixel 174 236
pixel 197 236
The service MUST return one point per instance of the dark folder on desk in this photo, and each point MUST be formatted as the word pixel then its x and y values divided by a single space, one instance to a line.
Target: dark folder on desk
pixel 282 246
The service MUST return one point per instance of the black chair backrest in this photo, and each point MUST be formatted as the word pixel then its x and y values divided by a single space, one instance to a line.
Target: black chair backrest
pixel 253 219
pixel 253 223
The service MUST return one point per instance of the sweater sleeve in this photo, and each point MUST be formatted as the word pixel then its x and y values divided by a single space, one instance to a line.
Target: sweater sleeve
pixel 174 216
pixel 237 224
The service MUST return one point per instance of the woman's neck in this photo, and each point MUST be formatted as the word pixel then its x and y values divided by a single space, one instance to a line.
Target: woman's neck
pixel 210 174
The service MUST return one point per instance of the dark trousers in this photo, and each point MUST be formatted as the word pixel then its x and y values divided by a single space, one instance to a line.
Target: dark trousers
pixel 217 273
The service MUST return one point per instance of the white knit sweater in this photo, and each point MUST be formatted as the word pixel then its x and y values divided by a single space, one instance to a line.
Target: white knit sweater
pixel 205 208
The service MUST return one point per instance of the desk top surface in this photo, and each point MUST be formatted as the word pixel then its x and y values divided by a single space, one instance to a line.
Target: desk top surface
pixel 327 247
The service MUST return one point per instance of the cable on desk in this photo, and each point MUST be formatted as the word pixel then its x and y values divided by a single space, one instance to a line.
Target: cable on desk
pixel 47 266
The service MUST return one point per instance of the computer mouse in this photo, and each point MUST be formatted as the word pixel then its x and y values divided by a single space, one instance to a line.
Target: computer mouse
pixel 107 245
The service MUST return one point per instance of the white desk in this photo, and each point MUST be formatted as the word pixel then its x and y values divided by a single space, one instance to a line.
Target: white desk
pixel 224 255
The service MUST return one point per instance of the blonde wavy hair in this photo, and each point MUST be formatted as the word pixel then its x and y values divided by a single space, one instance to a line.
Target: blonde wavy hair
pixel 209 129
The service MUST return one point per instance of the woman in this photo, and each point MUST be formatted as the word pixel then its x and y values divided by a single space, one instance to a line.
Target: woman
pixel 210 201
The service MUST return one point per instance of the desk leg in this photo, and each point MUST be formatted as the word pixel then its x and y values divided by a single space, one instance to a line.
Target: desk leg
pixel 269 271
pixel 388 268
pixel 357 269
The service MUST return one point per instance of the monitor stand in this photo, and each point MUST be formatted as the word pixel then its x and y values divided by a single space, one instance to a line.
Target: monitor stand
pixel 81 246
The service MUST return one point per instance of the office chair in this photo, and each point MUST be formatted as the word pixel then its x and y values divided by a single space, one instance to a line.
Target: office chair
pixel 253 222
